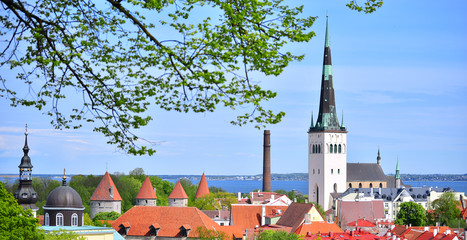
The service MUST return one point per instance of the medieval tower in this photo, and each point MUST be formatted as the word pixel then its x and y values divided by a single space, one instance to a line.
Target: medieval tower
pixel 327 142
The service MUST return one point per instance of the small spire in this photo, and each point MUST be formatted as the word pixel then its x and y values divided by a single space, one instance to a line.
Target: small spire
pixel 398 176
pixel 311 126
pixel 64 178
pixel 378 158
pixel 342 122
pixel 26 148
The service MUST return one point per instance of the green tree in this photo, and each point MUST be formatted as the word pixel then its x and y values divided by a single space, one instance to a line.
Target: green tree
pixel 15 222
pixel 128 187
pixel 445 209
pixel 106 216
pixel 206 234
pixel 277 235
pixel 138 173
pixel 63 235
pixel 411 213
pixel 216 201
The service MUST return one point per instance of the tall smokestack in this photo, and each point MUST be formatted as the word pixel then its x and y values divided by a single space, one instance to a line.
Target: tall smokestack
pixel 267 162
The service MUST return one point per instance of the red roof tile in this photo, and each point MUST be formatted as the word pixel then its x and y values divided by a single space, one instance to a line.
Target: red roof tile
pixel 249 215
pixel 263 197
pixel 178 192
pixel 102 192
pixel 353 210
pixel 361 223
pixel 169 219
pixel 146 191
pixel 317 227
pixel 203 188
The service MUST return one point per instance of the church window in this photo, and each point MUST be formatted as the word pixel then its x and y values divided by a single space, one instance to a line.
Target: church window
pixel 335 187
pixel 371 185
pixel 340 149
pixel 338 171
pixel 330 148
pixel 59 219
pixel 319 148
pixel 350 185
pixel 74 220
pixel 313 171
pixel 381 185
pixel 314 148
pixel 335 148
pixel 46 219
pixel 332 171
pixel 360 185
pixel 318 171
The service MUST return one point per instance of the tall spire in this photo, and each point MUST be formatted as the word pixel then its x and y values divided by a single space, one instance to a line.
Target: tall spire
pixel 398 176
pixel 327 117
pixel 378 158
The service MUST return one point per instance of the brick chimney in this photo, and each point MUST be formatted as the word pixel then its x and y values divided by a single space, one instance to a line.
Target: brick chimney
pixel 267 162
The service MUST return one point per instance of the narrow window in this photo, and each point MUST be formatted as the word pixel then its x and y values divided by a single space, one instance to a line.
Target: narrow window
pixel 335 187
pixel 381 185
pixel 319 148
pixel 314 149
pixel 360 185
pixel 340 149
pixel 338 171
pixel 330 148
pixel 335 148
pixel 371 185
pixel 46 219
pixel 318 171
pixel 313 171
pixel 350 185
pixel 332 171
pixel 59 219
pixel 74 220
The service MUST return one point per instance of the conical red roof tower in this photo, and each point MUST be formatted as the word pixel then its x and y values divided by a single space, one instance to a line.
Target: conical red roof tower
pixel 106 190
pixel 146 191
pixel 178 192
pixel 203 189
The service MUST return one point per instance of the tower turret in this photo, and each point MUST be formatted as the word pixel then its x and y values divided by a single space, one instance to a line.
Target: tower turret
pixel 26 195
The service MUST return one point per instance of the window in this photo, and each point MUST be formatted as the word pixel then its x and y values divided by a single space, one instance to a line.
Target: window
pixel 340 148
pixel 335 148
pixel 332 171
pixel 350 185
pixel 59 219
pixel 371 185
pixel 319 148
pixel 335 187
pixel 313 171
pixel 46 219
pixel 338 171
pixel 314 149
pixel 74 220
pixel 381 185
pixel 318 171
pixel 360 185
pixel 330 148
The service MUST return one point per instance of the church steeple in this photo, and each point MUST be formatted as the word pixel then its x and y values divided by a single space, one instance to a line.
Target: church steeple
pixel 378 158
pixel 327 117
pixel 398 176
pixel 25 194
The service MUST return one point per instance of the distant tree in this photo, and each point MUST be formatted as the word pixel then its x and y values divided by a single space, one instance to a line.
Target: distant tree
pixel 15 223
pixel 411 213
pixel 87 220
pixel 216 201
pixel 43 186
pixel 206 234
pixel 213 189
pixel 128 187
pixel 138 173
pixel 445 209
pixel 163 190
pixel 277 235
pixel 293 195
pixel 106 216
pixel 190 190
pixel 63 235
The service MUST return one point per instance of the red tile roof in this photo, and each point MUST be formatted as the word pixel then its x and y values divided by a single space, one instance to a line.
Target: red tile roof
pixel 361 223
pixel 102 192
pixel 178 192
pixel 146 191
pixel 317 227
pixel 263 197
pixel 249 216
pixel 169 219
pixel 203 188
pixel 353 235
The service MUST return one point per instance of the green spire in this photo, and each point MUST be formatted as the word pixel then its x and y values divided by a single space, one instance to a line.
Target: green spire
pixel 398 176
pixel 311 126
pixel 342 122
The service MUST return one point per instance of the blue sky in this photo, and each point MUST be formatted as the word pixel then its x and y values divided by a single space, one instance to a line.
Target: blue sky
pixel 400 76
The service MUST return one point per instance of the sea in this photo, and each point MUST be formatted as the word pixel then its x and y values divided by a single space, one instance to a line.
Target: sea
pixel 246 186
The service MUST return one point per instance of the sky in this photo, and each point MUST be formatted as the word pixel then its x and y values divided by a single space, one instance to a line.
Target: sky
pixel 400 78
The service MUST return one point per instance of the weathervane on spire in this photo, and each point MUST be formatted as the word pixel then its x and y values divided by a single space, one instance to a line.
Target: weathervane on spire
pixel 26 132
pixel 64 178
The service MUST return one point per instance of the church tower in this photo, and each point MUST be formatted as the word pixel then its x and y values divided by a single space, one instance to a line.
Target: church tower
pixel 327 142
pixel 25 194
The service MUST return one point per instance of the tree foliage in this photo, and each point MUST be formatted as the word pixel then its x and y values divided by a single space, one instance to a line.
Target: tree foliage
pixel 63 235
pixel 445 210
pixel 411 213
pixel 278 235
pixel 206 234
pixel 15 222
pixel 368 7
pixel 216 201
pixel 106 216
pixel 110 61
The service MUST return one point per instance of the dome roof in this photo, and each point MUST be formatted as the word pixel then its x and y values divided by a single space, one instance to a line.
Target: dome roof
pixel 64 197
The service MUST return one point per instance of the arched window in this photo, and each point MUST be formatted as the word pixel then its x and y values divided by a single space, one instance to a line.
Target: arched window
pixel 360 185
pixel 313 171
pixel 335 148
pixel 335 187
pixel 350 185
pixel 318 171
pixel 338 171
pixel 59 219
pixel 74 220
pixel 340 149
pixel 314 148
pixel 46 219
pixel 330 148
pixel 381 185
pixel 371 185
pixel 332 171
pixel 319 148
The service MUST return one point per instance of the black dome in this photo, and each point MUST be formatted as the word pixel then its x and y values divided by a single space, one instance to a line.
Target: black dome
pixel 65 197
